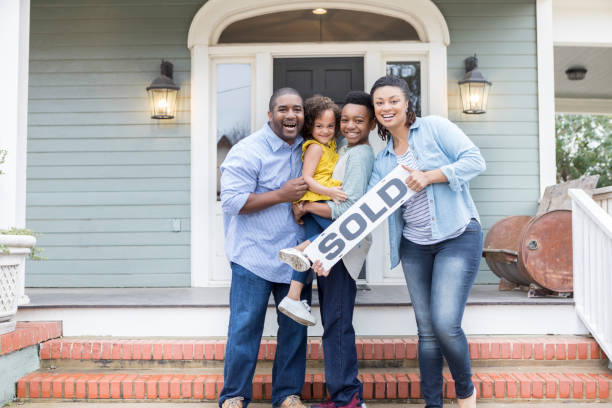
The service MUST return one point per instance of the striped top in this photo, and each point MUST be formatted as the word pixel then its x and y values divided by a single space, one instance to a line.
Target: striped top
pixel 416 213
pixel 259 163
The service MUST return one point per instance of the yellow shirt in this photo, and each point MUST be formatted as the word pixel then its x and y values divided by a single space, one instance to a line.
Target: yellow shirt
pixel 323 171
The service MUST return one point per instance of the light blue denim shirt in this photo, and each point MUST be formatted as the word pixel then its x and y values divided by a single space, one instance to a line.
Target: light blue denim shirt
pixel 259 163
pixel 437 143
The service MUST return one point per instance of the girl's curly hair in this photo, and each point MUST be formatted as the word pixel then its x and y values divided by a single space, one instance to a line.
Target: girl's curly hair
pixel 315 106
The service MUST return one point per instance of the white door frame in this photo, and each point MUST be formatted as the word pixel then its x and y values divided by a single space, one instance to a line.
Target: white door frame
pixel 208 24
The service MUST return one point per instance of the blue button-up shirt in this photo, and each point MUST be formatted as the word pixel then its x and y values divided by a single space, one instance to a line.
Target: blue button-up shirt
pixel 259 163
pixel 437 143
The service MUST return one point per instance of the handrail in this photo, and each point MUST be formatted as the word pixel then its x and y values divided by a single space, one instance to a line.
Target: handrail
pixel 592 254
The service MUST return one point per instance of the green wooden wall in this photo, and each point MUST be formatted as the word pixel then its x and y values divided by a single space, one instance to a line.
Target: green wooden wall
pixel 105 182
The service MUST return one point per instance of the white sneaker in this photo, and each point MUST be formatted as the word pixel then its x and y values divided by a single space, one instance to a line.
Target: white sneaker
pixel 294 258
pixel 297 310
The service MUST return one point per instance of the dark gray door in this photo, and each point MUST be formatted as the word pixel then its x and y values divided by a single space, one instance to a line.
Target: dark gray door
pixel 332 77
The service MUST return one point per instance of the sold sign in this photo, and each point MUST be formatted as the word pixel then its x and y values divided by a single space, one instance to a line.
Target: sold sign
pixel 360 219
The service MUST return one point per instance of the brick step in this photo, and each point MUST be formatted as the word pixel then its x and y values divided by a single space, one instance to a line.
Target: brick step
pixel 390 350
pixel 382 386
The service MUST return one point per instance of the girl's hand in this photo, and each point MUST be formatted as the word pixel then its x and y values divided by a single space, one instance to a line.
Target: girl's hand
pixel 298 212
pixel 317 266
pixel 417 180
pixel 337 195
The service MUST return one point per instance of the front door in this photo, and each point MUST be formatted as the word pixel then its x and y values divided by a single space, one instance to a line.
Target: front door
pixel 332 77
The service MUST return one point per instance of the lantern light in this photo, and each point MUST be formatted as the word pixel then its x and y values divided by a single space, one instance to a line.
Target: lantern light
pixel 162 93
pixel 474 88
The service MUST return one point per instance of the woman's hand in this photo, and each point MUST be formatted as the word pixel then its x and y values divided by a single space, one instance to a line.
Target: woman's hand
pixel 417 180
pixel 337 195
pixel 317 267
pixel 298 212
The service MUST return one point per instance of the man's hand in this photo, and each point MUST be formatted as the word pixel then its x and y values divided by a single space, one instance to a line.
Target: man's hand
pixel 292 190
pixel 417 180
pixel 298 212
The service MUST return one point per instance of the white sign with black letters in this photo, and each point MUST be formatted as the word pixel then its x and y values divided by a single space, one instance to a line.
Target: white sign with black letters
pixel 360 219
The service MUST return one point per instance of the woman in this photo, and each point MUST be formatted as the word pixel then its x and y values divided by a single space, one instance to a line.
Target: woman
pixel 436 234
pixel 337 290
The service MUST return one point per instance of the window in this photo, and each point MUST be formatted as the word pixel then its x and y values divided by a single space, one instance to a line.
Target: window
pixel 233 108
pixel 411 73
pixel 304 26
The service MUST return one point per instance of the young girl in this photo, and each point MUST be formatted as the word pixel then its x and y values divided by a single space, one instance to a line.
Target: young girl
pixel 321 123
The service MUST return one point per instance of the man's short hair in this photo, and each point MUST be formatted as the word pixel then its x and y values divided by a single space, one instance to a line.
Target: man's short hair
pixel 280 92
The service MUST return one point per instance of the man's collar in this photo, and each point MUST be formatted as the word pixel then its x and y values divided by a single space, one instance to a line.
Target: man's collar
pixel 276 142
pixel 389 148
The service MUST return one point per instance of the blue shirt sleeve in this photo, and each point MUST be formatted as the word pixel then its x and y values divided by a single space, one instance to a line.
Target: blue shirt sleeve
pixel 239 174
pixel 467 162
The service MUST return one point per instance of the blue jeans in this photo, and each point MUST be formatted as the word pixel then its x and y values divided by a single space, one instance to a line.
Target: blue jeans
pixel 249 295
pixel 439 279
pixel 337 294
pixel 313 225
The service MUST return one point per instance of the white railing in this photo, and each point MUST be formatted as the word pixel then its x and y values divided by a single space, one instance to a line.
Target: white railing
pixel 603 197
pixel 592 243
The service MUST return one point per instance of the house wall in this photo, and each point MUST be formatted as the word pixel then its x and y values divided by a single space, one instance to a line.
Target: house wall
pixel 105 181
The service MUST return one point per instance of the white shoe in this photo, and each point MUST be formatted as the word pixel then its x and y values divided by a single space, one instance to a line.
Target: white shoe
pixel 294 258
pixel 297 310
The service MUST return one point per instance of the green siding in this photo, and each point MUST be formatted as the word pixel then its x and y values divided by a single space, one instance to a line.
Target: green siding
pixel 105 181
pixel 503 35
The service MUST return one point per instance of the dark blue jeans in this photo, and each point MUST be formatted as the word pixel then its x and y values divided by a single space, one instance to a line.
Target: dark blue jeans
pixel 337 294
pixel 313 226
pixel 249 295
pixel 439 279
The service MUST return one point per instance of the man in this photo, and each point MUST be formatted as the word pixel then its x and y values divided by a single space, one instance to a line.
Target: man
pixel 259 181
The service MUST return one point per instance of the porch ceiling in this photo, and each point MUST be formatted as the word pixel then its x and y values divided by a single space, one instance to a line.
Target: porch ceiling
pixel 598 81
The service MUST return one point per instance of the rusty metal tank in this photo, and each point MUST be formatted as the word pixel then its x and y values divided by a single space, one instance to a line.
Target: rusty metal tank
pixel 501 249
pixel 545 251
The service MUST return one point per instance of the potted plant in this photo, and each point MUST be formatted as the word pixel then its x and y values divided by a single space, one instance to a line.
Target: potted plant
pixel 15 245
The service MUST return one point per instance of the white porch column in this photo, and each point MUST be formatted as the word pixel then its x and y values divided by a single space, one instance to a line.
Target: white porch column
pixel 203 174
pixel 14 31
pixel 546 94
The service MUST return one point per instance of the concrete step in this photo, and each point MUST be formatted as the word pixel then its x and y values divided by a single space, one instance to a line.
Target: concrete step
pixel 116 353
pixel 388 385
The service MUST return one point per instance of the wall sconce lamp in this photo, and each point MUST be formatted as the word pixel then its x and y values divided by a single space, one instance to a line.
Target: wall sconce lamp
pixel 162 93
pixel 474 88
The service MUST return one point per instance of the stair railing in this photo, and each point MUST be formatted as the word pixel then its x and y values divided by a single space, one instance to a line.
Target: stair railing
pixel 592 252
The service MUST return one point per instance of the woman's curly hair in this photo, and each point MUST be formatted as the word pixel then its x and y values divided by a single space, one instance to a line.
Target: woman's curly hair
pixel 313 108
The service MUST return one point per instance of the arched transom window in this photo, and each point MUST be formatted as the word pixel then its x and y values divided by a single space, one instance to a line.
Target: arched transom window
pixel 305 26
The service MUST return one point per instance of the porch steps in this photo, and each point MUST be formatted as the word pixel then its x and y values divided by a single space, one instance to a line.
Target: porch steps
pixel 506 369
pixel 392 350
pixel 386 385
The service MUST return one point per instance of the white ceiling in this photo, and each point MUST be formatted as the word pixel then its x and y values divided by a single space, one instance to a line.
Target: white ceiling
pixel 598 81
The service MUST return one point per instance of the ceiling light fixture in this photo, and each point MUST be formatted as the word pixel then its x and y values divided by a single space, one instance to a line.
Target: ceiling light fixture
pixel 319 11
pixel 576 73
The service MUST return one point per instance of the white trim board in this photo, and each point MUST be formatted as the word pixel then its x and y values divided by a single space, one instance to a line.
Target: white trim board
pixel 368 321
pixel 208 24
pixel 584 106
pixel 546 94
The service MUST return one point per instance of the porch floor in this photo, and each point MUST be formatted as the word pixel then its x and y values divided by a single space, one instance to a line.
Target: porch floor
pixel 376 295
